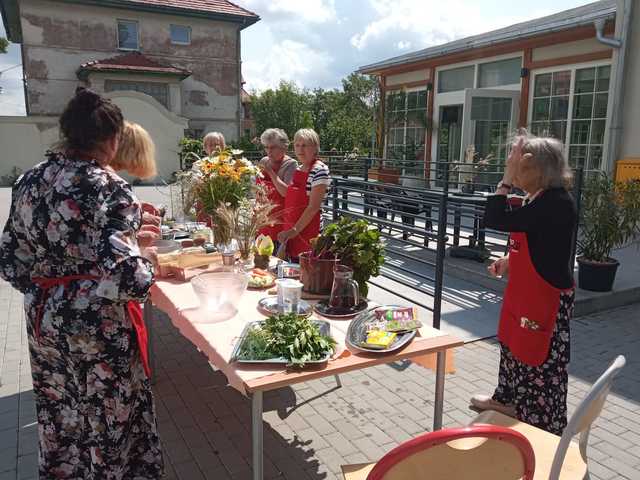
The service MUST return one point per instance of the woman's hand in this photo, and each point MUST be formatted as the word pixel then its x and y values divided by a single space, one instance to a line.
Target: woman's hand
pixel 287 234
pixel 499 268
pixel 513 162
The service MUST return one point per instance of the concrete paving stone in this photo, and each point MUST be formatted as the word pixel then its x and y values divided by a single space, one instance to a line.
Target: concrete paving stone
pixel 8 474
pixel 27 466
pixel 341 444
pixel 321 424
pixel 331 458
pixel 8 439
pixel 623 456
pixel 296 421
pixel 188 471
pixel 220 473
pixel 177 451
pixel 194 438
pixel 622 470
pixel 233 461
pixel 219 440
pixel 599 431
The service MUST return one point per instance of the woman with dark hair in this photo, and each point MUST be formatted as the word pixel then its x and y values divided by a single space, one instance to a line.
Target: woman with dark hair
pixel 70 246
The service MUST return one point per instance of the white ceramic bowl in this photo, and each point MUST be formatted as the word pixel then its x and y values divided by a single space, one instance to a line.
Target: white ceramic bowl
pixel 219 293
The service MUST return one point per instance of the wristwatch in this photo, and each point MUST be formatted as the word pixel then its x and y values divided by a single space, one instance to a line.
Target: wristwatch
pixel 501 184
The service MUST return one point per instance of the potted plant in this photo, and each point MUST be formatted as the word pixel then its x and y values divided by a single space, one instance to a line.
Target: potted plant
pixel 353 243
pixel 610 220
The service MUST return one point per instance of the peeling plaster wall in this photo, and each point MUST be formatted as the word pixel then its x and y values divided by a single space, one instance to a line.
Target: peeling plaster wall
pixel 59 37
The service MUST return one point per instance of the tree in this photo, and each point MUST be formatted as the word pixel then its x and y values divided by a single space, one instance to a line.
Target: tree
pixel 4 44
pixel 287 107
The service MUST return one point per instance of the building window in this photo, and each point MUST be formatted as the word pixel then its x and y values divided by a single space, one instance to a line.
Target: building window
pixel 456 79
pixel 590 98
pixel 551 104
pixel 180 34
pixel 571 105
pixel 128 37
pixel 503 72
pixel 159 91
pixel 407 121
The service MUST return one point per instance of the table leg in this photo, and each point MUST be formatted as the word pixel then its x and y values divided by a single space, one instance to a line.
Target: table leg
pixel 439 396
pixel 257 435
pixel 338 381
pixel 149 324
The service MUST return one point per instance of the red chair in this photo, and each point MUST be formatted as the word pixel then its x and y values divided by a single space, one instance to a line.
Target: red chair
pixel 479 451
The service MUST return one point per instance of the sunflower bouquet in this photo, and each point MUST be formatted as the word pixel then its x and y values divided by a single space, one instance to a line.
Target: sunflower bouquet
pixel 223 179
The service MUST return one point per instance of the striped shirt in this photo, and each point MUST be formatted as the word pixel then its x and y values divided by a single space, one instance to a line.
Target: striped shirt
pixel 319 175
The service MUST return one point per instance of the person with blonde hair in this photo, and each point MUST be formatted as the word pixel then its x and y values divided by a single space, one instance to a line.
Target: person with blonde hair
pixel 212 142
pixel 538 300
pixel 136 153
pixel 305 194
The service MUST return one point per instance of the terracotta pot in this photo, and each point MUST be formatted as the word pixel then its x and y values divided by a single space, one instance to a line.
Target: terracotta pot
pixel 316 274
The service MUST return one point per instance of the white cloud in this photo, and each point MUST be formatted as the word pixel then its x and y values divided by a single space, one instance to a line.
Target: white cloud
pixel 402 45
pixel 425 23
pixel 311 11
pixel 288 60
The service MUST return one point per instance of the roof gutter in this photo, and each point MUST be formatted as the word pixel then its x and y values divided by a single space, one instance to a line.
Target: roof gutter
pixel 599 26
pixel 621 49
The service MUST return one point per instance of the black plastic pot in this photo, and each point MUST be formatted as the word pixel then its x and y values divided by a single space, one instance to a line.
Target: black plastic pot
pixel 597 276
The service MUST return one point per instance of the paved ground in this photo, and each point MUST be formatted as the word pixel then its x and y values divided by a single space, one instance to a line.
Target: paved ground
pixel 313 428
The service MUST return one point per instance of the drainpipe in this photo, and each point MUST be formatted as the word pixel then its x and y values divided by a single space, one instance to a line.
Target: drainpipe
pixel 620 46
pixel 239 109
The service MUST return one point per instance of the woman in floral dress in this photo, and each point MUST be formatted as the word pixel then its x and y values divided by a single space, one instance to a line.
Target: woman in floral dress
pixel 70 246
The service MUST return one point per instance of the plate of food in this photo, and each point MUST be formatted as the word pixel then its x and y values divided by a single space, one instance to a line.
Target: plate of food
pixel 270 341
pixel 383 329
pixel 259 279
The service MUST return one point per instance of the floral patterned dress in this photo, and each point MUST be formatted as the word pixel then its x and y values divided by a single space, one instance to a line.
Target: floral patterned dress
pixel 95 407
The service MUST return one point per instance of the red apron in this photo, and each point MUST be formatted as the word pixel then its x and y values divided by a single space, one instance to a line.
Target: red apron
pixel 134 309
pixel 529 308
pixel 295 202
pixel 277 201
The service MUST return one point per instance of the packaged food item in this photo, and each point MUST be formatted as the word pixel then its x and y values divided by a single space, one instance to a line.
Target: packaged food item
pixel 397 319
pixel 379 339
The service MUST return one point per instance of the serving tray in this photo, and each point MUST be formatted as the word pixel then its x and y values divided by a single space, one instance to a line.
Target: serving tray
pixel 357 333
pixel 324 327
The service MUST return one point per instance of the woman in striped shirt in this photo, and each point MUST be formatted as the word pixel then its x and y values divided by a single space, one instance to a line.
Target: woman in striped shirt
pixel 303 201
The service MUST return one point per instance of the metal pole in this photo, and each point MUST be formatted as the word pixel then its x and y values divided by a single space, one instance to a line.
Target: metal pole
pixel 367 162
pixel 577 189
pixel 257 435
pixel 440 249
pixel 439 395
pixel 335 199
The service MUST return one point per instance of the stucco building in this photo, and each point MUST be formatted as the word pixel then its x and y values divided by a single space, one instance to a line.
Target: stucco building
pixel 179 59
pixel 568 75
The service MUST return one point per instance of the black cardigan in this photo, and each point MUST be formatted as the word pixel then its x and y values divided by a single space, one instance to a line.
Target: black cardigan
pixel 549 222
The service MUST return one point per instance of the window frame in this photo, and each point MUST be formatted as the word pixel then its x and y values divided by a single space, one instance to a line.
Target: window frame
pixel 121 82
pixel 389 144
pixel 175 42
pixel 573 67
pixel 137 24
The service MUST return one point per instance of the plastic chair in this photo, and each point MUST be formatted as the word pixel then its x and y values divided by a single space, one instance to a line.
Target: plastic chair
pixel 482 451
pixel 560 457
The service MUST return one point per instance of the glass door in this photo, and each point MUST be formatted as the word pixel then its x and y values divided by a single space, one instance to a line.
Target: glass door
pixel 449 141
pixel 491 117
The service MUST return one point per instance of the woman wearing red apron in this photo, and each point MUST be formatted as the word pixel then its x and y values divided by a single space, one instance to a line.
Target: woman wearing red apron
pixel 70 246
pixel 278 170
pixel 303 201
pixel 538 300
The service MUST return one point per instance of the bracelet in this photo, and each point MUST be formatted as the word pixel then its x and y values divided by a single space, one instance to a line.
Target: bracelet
pixel 502 184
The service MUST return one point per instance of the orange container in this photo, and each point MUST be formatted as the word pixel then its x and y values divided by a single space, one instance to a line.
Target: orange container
pixel 628 169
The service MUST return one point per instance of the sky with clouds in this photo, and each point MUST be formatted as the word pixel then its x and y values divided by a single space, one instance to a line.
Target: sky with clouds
pixel 316 43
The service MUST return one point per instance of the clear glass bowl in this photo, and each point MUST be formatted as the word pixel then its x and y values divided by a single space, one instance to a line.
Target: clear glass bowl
pixel 219 293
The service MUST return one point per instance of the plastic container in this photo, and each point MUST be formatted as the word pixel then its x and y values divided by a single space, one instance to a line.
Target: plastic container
pixel 219 294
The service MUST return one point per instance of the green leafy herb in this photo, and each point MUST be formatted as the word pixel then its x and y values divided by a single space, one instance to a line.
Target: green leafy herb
pixel 295 338
pixel 357 244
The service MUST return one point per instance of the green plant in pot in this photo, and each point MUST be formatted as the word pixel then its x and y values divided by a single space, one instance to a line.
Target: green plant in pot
pixel 610 220
pixel 353 243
